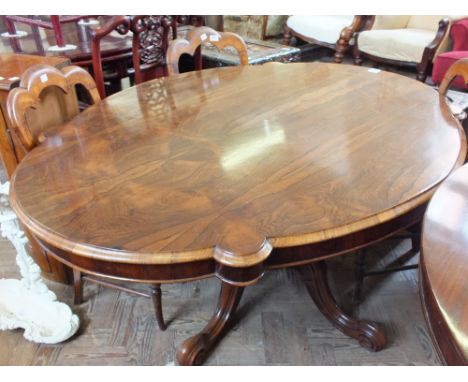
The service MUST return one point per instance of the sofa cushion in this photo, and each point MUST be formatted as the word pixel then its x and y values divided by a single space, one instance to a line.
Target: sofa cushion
pixel 391 21
pixel 321 28
pixel 442 64
pixel 396 44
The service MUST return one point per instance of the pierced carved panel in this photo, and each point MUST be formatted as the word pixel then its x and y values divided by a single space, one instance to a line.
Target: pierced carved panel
pixel 153 32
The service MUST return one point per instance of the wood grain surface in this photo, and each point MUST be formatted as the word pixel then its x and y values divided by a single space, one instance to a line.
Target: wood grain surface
pixel 444 267
pixel 229 163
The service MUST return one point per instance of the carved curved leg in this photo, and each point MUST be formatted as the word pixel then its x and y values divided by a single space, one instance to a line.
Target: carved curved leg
pixel 78 285
pixel 369 334
pixel 156 298
pixel 194 350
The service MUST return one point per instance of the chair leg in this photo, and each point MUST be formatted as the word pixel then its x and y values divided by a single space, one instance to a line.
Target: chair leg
pixel 416 244
pixel 156 297
pixel 287 36
pixel 78 285
pixel 359 271
pixel 339 53
pixel 421 76
pixel 357 59
pixel 422 70
pixel 342 47
pixel 415 237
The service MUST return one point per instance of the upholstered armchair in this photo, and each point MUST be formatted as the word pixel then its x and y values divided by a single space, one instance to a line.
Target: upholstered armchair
pixel 459 36
pixel 403 40
pixel 334 32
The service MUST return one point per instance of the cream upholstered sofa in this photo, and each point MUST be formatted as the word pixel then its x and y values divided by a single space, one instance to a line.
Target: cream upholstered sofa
pixel 259 27
pixel 334 32
pixel 403 40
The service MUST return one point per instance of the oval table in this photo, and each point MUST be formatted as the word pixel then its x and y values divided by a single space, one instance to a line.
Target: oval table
pixel 231 172
pixel 444 268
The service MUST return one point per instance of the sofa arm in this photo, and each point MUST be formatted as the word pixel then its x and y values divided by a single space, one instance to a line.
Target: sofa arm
pixel 431 49
pixel 348 32
pixel 367 22
pixel 439 37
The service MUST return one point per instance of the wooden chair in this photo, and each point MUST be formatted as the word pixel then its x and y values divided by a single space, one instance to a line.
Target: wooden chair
pixel 458 69
pixel 149 46
pixel 456 74
pixel 192 46
pixel 46 99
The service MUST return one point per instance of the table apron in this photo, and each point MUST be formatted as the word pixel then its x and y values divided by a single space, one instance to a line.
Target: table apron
pixel 279 258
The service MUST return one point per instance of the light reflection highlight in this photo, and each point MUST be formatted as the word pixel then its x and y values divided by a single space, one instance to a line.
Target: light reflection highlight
pixel 273 134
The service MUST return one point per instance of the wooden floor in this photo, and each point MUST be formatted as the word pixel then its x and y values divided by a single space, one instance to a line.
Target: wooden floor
pixel 280 324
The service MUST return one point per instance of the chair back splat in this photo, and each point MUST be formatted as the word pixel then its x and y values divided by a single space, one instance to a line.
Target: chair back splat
pixel 150 40
pixel 46 98
pixel 458 70
pixel 192 46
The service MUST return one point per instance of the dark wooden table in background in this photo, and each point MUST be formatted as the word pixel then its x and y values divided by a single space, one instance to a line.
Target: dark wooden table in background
pixel 234 171
pixel 38 42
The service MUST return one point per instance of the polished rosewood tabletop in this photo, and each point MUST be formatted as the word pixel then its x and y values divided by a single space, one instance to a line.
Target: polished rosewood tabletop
pixel 206 172
pixel 444 268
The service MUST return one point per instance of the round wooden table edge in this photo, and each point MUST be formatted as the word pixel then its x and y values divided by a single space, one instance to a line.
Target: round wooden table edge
pixel 122 256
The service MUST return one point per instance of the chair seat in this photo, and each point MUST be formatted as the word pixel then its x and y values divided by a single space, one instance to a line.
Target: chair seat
pixel 396 44
pixel 321 28
pixel 443 62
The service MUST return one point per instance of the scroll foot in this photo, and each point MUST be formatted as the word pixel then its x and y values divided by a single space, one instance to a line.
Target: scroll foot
pixel 369 335
pixel 194 350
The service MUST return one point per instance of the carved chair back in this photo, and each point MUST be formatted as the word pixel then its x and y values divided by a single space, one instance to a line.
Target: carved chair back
pixel 149 45
pixel 195 38
pixel 46 98
pixel 459 68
